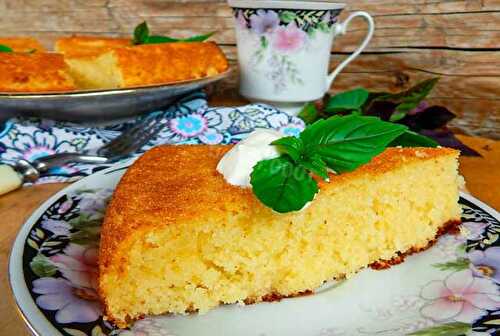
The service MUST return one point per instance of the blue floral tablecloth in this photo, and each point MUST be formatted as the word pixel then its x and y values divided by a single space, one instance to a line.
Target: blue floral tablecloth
pixel 189 121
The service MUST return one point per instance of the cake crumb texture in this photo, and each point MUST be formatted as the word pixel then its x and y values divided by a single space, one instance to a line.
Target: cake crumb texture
pixel 177 238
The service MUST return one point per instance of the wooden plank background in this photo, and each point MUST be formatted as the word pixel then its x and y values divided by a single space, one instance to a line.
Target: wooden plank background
pixel 458 40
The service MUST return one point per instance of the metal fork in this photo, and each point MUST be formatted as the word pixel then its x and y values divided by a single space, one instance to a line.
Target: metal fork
pixel 127 143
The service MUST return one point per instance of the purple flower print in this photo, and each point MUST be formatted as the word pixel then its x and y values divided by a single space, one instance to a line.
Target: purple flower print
pixel 472 230
pixel 78 264
pixel 72 304
pixel 461 297
pixel 240 20
pixel 94 203
pixel 57 227
pixel 65 206
pixel 289 39
pixel 486 263
pixel 285 124
pixel 211 137
pixel 264 22
pixel 149 326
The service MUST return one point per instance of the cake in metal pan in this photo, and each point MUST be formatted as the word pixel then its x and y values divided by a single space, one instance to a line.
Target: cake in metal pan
pixel 34 72
pixel 149 64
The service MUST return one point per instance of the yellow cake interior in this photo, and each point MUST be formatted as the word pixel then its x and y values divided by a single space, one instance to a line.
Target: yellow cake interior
pixel 212 243
pixel 96 71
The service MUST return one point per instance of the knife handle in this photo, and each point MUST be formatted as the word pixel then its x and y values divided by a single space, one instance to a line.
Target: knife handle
pixel 9 179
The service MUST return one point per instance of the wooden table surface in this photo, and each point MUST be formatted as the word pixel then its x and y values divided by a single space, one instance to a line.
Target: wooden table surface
pixel 481 174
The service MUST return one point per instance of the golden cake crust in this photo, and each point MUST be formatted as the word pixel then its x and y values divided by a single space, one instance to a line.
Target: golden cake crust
pixel 22 44
pixel 79 46
pixel 169 62
pixel 155 190
pixel 36 72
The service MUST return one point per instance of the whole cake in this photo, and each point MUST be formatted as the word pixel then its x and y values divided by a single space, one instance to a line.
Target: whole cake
pixel 177 238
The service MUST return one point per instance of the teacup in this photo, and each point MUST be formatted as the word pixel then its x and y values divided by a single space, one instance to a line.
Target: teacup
pixel 284 49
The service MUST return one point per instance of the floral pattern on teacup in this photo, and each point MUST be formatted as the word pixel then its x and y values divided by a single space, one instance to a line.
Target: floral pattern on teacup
pixel 280 34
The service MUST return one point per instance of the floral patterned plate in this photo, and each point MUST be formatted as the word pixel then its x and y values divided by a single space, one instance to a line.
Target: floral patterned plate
pixel 451 289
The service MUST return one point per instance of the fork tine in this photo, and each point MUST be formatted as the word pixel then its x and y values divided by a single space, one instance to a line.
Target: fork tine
pixel 129 134
pixel 120 146
pixel 129 143
pixel 141 140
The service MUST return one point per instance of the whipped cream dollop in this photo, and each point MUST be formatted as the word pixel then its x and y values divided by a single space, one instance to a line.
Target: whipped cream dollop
pixel 237 165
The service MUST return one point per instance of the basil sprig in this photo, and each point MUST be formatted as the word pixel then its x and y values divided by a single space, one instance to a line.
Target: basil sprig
pixel 4 48
pixel 142 36
pixel 340 143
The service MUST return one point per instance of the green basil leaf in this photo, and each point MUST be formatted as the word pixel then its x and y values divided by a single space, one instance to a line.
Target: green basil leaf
pixel 141 33
pixel 154 39
pixel 287 16
pixel 309 113
pixel 198 38
pixel 412 139
pixel 290 145
pixel 347 101
pixel 315 165
pixel 4 48
pixel 345 143
pixel 282 186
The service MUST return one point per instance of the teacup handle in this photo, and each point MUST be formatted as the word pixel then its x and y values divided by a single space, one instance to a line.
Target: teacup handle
pixel 341 29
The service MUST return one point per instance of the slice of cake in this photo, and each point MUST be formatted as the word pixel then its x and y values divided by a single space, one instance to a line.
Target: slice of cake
pixel 22 44
pixel 178 238
pixel 89 45
pixel 35 72
pixel 144 65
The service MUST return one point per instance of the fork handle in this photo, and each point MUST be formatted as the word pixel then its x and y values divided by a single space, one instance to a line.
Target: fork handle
pixel 45 163
pixel 9 179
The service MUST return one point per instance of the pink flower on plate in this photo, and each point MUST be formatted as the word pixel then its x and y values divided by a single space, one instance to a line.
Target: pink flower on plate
pixel 78 264
pixel 460 297
pixel 289 39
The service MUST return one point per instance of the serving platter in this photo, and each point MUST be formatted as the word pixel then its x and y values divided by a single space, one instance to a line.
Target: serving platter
pixel 450 289
pixel 99 106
